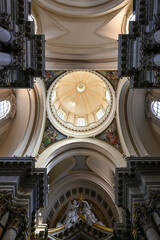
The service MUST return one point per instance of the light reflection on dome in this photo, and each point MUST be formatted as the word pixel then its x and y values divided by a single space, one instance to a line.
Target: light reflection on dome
pixel 82 96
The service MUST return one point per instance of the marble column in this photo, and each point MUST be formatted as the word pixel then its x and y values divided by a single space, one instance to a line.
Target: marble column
pixel 151 232
pixel 5 36
pixel 5 59
pixel 10 234
pixel 157 220
pixel 3 223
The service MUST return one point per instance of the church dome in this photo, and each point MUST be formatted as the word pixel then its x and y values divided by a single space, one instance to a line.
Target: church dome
pixel 80 101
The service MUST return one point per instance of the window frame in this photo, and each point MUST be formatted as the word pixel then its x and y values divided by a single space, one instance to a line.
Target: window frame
pixel 81 122
pixel 12 111
pixel 156 114
pixel 5 108
pixel 148 106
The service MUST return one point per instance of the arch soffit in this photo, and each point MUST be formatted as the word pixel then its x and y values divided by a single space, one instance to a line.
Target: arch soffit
pixel 81 179
pixel 122 89
pixel 21 124
pixel 103 170
pixel 72 147
pixel 77 178
pixel 83 176
pixel 40 120
pixel 36 121
pixel 129 137
pixel 130 120
pixel 74 9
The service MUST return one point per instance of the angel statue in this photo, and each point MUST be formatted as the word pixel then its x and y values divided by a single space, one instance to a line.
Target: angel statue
pixel 71 214
pixel 88 214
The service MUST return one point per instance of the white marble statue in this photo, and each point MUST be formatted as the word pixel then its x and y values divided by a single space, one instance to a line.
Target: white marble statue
pixel 71 214
pixel 74 210
pixel 88 214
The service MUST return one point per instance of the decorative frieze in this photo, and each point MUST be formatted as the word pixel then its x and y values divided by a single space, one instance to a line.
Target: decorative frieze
pixel 146 217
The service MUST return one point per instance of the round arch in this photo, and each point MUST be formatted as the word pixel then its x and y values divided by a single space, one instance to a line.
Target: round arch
pixel 71 147
pixel 135 132
pixel 90 9
pixel 65 188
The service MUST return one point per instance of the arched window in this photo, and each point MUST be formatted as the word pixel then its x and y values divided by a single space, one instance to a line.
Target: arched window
pixel 61 114
pixel 100 114
pixel 5 107
pixel 155 106
pixel 81 122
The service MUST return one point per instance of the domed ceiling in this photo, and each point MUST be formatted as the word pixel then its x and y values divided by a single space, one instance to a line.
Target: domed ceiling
pixel 80 101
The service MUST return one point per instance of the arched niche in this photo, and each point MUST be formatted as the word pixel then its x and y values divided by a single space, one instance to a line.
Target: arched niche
pixel 80 184
pixel 25 133
pixel 136 134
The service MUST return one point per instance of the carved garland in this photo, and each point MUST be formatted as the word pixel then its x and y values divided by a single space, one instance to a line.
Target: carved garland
pixel 12 216
pixel 146 214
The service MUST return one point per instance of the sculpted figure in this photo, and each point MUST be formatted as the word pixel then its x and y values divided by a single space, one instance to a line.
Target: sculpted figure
pixel 71 214
pixel 88 214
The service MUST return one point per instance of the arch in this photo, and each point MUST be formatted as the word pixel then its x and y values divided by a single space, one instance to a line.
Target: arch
pixel 78 180
pixel 102 169
pixel 39 118
pixel 26 130
pixel 71 147
pixel 135 132
pixel 90 9
pixel 127 115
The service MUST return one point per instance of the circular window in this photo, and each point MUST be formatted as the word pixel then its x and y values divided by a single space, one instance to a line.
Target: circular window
pixel 4 108
pixel 81 103
pixel 155 106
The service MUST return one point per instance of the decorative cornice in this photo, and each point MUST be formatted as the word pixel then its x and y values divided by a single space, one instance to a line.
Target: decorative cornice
pixel 130 176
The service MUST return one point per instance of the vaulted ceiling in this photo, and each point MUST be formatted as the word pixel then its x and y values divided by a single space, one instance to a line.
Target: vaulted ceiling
pixel 79 31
